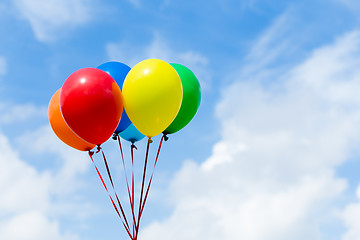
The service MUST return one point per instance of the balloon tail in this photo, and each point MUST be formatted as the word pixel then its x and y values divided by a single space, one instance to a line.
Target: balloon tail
pixel 98 149
pixel 126 226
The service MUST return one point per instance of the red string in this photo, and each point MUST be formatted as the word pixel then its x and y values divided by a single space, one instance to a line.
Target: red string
pixel 142 186
pixel 127 183
pixel 152 174
pixel 112 201
pixel 112 184
pixel 131 197
pixel 132 187
pixel 133 177
pixel 143 198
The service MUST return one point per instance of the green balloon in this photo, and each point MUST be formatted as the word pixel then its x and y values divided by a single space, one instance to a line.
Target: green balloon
pixel 191 99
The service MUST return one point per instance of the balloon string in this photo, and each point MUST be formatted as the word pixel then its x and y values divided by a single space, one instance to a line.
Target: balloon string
pixel 112 184
pixel 133 177
pixel 133 186
pixel 121 151
pixel 111 199
pixel 126 178
pixel 152 174
pixel 142 186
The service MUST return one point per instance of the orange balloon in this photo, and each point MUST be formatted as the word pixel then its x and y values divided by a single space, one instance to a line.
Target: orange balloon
pixel 61 129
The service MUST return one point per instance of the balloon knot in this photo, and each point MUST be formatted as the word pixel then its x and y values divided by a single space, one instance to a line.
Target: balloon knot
pixel 150 141
pixel 115 136
pixel 165 137
pixel 98 149
pixel 91 153
pixel 133 146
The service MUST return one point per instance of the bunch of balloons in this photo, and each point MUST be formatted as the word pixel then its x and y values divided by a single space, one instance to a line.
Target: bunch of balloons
pixel 114 100
pixel 158 97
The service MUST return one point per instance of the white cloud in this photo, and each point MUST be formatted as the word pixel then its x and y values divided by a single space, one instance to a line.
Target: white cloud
pixel 32 226
pixel 14 113
pixel 17 179
pixel 3 66
pixel 37 201
pixel 351 218
pixel 159 48
pixel 25 203
pixel 49 19
pixel 284 132
pixel 278 43
pixel 43 140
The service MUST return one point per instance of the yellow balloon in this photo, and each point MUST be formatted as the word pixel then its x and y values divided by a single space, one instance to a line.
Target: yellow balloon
pixel 152 94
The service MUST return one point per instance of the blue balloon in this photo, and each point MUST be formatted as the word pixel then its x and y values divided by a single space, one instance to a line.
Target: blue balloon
pixel 118 72
pixel 131 134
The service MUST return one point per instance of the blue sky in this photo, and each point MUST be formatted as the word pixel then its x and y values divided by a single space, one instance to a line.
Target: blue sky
pixel 271 154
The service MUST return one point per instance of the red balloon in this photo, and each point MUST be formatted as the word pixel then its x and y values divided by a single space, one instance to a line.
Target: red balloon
pixel 91 104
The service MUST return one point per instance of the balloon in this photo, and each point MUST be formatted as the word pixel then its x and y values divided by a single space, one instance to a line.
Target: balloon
pixel 131 134
pixel 191 98
pixel 152 93
pixel 62 131
pixel 91 104
pixel 118 72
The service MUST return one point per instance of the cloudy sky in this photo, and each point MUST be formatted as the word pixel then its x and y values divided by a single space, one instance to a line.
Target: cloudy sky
pixel 272 154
